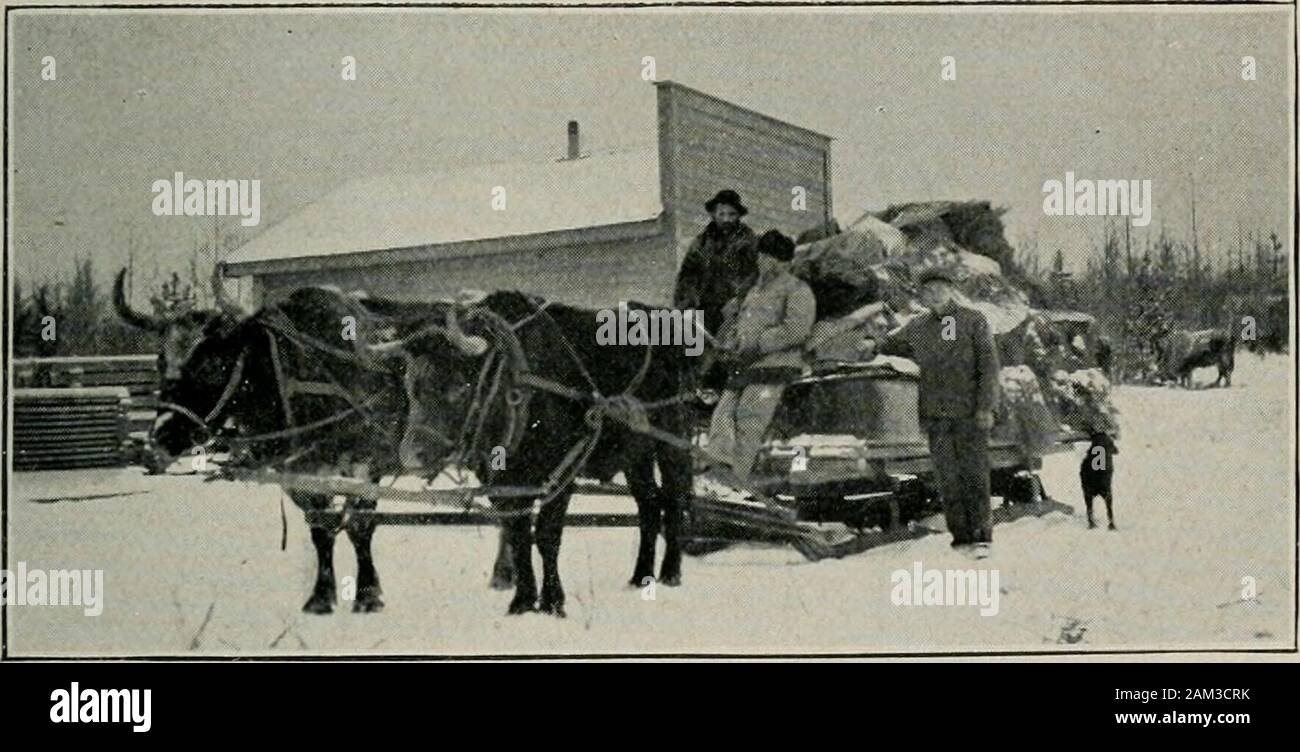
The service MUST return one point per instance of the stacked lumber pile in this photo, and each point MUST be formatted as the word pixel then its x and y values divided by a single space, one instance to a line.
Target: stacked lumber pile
pixel 69 427
pixel 138 374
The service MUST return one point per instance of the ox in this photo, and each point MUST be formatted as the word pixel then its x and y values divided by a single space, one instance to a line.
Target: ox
pixel 1182 351
pixel 372 414
pixel 177 332
pixel 262 376
pixel 558 345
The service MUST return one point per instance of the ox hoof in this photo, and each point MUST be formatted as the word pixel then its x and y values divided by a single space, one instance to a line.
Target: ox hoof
pixel 368 602
pixel 318 605
pixel 554 609
pixel 639 581
pixel 502 582
pixel 1111 526
pixel 521 606
pixel 670 580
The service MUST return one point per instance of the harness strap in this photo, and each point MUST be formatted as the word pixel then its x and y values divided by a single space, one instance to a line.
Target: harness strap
pixel 498 376
pixel 288 387
pixel 232 386
pixel 573 354
pixel 317 389
pixel 546 385
pixel 298 430
pixel 282 325
pixel 281 386
pixel 187 413
pixel 521 323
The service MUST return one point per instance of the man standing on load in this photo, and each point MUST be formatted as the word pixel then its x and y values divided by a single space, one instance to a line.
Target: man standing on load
pixel 721 263
pixel 954 347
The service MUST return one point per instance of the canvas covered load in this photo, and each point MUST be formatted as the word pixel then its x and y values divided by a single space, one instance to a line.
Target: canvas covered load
pixel 864 280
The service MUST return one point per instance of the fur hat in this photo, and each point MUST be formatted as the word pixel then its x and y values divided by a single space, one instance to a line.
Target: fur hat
pixel 776 245
pixel 728 197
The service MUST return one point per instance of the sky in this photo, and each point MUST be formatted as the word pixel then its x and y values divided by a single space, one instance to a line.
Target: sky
pixel 1103 92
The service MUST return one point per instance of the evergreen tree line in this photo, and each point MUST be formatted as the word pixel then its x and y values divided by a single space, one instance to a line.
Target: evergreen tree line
pixel 1140 295
pixel 81 309
pixel 72 318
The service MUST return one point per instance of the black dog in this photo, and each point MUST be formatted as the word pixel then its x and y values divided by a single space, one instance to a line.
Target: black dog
pixel 1096 472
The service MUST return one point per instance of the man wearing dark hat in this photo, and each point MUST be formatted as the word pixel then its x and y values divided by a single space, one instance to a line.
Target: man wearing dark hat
pixel 772 324
pixel 720 263
pixel 953 345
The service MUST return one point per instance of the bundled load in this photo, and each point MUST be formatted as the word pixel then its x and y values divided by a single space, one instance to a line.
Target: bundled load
pixel 1051 341
pixel 844 269
pixel 1083 401
pixel 1025 416
pixel 864 280
pixel 879 260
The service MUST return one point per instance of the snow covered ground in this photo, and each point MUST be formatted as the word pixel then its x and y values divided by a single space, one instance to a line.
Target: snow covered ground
pixel 1204 499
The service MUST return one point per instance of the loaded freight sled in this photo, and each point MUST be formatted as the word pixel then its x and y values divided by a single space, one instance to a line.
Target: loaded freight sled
pixel 847 447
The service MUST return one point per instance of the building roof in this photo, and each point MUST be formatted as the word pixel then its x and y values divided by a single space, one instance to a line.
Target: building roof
pixel 456 206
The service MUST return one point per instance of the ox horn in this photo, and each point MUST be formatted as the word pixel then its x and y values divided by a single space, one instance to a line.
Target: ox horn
pixel 384 349
pixel 469 344
pixel 130 315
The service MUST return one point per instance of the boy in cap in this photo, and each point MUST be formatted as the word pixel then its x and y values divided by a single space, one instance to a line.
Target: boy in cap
pixel 774 320
pixel 954 347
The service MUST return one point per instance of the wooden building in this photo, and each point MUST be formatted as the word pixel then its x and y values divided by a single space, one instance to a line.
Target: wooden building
pixel 589 229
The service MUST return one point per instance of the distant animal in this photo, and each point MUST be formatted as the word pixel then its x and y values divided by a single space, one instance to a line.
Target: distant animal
pixel 1105 355
pixel 1181 352
pixel 1096 472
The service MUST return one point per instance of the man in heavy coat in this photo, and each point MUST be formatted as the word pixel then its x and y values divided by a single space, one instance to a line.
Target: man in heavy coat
pixel 772 324
pixel 721 263
pixel 953 345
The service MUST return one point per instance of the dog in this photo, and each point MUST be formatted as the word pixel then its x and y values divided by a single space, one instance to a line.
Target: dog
pixel 1095 474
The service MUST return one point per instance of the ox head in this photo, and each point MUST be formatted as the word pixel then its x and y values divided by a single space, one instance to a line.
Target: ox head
pixel 210 366
pixel 442 366
pixel 178 333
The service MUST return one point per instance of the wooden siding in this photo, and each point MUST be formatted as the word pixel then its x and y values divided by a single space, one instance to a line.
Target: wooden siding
pixel 707 144
pixel 595 275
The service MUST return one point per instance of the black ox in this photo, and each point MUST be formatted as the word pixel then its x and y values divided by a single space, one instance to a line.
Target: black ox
pixel 177 333
pixel 399 396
